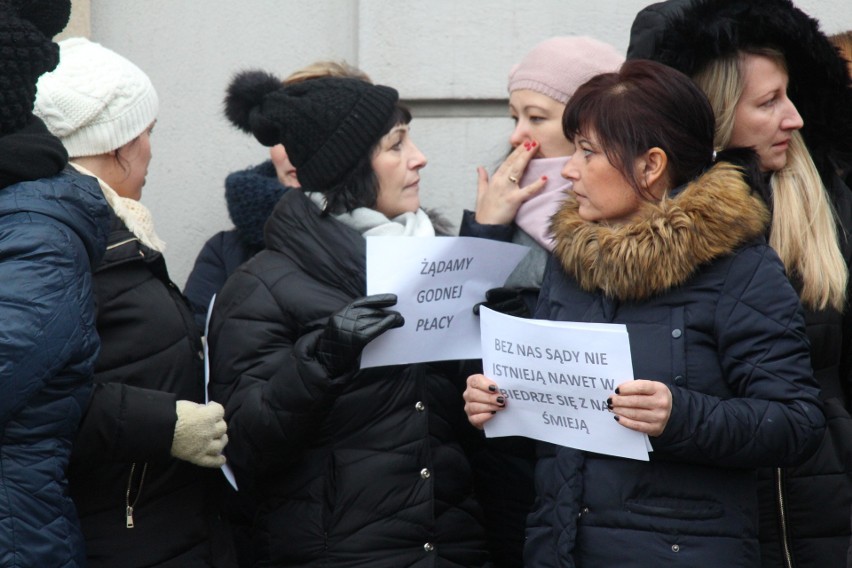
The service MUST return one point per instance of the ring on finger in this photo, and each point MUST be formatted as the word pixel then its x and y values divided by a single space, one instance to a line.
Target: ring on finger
pixel 513 179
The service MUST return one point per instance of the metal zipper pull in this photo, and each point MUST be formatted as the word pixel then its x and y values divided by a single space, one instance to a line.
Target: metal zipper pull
pixel 129 509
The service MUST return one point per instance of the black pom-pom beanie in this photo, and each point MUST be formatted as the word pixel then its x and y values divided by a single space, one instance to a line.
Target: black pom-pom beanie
pixel 327 125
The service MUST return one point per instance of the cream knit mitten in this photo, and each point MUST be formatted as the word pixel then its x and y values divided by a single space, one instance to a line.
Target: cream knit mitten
pixel 200 433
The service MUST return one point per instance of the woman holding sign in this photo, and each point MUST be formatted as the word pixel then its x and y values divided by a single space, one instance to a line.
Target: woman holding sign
pixel 350 467
pixel 666 237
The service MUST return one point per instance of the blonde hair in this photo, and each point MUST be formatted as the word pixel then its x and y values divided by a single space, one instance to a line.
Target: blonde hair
pixel 843 42
pixel 320 69
pixel 803 231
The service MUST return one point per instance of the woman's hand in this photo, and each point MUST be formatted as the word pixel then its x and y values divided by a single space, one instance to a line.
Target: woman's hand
pixel 499 198
pixel 350 330
pixel 644 406
pixel 482 400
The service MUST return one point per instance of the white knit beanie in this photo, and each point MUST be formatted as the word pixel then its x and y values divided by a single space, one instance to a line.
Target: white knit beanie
pixel 557 66
pixel 95 101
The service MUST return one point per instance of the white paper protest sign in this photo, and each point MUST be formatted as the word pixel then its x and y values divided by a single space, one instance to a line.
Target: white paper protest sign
pixel 226 469
pixel 556 377
pixel 437 281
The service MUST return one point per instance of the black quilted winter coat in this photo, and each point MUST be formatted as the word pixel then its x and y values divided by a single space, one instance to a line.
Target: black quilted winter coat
pixel 362 470
pixel 151 356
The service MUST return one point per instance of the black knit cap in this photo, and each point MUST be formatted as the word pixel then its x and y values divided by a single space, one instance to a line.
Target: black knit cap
pixel 327 125
pixel 688 34
pixel 26 52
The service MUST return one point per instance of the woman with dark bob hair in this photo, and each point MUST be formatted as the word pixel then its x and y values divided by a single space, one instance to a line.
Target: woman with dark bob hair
pixel 666 237
pixel 350 467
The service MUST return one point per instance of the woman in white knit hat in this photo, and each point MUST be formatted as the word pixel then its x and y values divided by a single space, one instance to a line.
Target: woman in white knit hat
pixel 140 469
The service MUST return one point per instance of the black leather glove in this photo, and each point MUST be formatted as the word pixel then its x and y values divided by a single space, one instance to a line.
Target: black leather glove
pixel 352 328
pixel 510 301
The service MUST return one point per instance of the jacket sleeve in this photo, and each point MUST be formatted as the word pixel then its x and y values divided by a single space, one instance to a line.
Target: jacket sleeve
pixel 206 279
pixel 126 423
pixel 264 373
pixel 470 228
pixel 775 418
pixel 45 309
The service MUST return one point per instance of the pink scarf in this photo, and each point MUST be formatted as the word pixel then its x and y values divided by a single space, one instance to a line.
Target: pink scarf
pixel 534 215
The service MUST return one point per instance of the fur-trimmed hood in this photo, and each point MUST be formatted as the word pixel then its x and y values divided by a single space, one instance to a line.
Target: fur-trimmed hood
pixel 668 241
pixel 688 34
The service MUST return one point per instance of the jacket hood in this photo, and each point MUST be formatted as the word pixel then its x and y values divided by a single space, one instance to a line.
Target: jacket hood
pixel 668 240
pixel 69 197
pixel 251 195
pixel 688 34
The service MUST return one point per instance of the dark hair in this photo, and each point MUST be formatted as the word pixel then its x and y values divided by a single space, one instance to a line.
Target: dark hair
pixel 360 188
pixel 641 106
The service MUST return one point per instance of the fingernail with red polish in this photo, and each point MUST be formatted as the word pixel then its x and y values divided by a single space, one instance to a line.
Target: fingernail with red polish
pixel 543 178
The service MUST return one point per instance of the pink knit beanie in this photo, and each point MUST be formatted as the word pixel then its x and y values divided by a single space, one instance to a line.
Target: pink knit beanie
pixel 557 66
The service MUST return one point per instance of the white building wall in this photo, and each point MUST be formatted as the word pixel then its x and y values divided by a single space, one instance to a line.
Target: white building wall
pixel 449 58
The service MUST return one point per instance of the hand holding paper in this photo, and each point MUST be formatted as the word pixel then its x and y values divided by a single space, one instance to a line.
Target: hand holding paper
pixel 437 281
pixel 644 406
pixel 557 380
pixel 482 400
pixel 352 328
pixel 508 300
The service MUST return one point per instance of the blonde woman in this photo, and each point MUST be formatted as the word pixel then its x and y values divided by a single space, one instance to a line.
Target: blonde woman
pixel 777 85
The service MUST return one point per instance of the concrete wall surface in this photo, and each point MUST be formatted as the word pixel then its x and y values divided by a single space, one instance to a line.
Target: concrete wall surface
pixel 448 58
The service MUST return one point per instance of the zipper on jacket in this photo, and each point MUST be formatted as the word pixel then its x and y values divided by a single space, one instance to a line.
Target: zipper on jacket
pixel 782 519
pixel 129 506
pixel 121 243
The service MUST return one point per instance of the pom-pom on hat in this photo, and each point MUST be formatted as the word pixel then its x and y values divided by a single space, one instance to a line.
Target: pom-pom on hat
pixel 327 125
pixel 557 66
pixel 96 101
pixel 26 52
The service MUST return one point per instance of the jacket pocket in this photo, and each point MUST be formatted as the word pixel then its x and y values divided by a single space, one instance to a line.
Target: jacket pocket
pixel 675 508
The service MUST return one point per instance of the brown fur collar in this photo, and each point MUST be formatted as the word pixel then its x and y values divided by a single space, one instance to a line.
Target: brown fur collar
pixel 667 241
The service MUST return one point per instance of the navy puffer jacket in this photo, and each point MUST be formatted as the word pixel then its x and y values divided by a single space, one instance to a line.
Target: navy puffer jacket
pixel 52 231
pixel 711 314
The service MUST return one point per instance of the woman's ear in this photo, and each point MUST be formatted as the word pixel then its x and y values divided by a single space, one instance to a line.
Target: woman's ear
pixel 652 168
